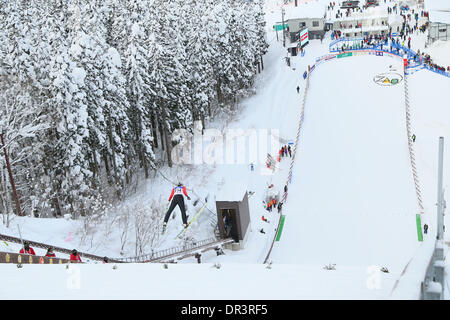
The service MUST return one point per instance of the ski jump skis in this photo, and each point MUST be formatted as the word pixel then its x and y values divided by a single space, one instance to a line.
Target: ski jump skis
pixel 179 236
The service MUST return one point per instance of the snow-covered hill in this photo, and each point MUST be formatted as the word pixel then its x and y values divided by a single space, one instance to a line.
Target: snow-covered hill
pixel 351 201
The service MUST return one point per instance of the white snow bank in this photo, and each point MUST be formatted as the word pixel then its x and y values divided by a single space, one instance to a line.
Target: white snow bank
pixel 232 192
pixel 178 281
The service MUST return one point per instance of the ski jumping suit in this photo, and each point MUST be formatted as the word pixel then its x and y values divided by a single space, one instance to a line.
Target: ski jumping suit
pixel 178 199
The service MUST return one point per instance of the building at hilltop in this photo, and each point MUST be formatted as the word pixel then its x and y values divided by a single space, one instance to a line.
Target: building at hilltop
pixel 310 15
pixel 439 19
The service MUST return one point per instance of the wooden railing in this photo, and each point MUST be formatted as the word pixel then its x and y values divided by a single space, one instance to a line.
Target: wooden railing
pixel 21 258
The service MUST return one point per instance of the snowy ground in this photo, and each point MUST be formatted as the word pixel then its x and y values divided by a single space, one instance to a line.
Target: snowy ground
pixel 191 282
pixel 351 201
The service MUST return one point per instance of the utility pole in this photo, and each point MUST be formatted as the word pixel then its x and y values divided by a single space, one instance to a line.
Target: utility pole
pixel 440 192
pixel 11 179
pixel 282 21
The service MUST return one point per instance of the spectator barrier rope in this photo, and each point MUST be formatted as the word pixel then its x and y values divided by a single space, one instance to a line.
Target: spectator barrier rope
pixel 289 178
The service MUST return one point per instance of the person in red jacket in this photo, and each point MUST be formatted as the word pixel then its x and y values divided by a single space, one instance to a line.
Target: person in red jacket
pixel 28 249
pixel 74 256
pixel 178 200
pixel 50 253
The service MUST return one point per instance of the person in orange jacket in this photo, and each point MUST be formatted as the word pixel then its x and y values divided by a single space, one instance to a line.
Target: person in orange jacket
pixel 74 256
pixel 28 249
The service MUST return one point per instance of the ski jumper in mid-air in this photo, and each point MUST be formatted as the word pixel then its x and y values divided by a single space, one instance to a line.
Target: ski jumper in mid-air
pixel 177 197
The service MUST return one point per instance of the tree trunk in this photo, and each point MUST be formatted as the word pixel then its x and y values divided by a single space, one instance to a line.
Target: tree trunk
pixel 144 163
pixel 166 137
pixel 56 206
pixel 105 160
pixel 203 122
pixel 161 135
pixel 127 177
pixel 113 149
pixel 94 169
pixel 155 134
pixel 219 92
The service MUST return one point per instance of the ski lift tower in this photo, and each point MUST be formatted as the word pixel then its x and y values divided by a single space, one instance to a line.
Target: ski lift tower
pixel 233 214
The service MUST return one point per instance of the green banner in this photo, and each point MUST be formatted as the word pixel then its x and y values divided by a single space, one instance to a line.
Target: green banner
pixel 281 229
pixel 419 228
pixel 279 27
pixel 343 55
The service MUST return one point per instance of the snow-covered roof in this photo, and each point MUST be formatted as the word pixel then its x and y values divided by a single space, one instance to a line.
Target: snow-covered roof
pixel 395 18
pixel 378 12
pixel 309 10
pixel 440 16
pixel 364 29
pixel 232 192
pixel 360 17
pixel 433 5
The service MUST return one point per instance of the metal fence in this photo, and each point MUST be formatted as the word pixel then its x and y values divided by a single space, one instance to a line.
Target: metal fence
pixel 412 55
pixel 193 249
pixel 157 255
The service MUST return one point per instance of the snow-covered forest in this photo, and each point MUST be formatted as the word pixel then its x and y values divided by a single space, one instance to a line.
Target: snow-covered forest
pixel 91 91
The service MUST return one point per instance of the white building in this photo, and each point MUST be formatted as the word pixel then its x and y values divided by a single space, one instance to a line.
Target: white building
pixel 357 26
pixel 439 19
pixel 371 21
pixel 311 16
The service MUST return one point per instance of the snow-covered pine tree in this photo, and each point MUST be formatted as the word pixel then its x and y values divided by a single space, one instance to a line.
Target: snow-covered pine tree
pixel 97 82
pixel 86 50
pixel 260 21
pixel 200 52
pixel 138 86
pixel 169 72
pixel 67 96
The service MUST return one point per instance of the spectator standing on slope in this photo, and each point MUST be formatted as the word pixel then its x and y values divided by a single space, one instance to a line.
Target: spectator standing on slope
pixel 280 204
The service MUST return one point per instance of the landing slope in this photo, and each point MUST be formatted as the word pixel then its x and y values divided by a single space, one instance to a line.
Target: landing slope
pixel 351 200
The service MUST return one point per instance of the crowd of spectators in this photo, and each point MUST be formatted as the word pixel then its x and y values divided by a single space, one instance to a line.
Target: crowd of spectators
pixel 398 45
pixel 74 255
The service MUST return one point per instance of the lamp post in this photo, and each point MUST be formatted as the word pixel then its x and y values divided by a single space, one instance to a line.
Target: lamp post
pixel 11 179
